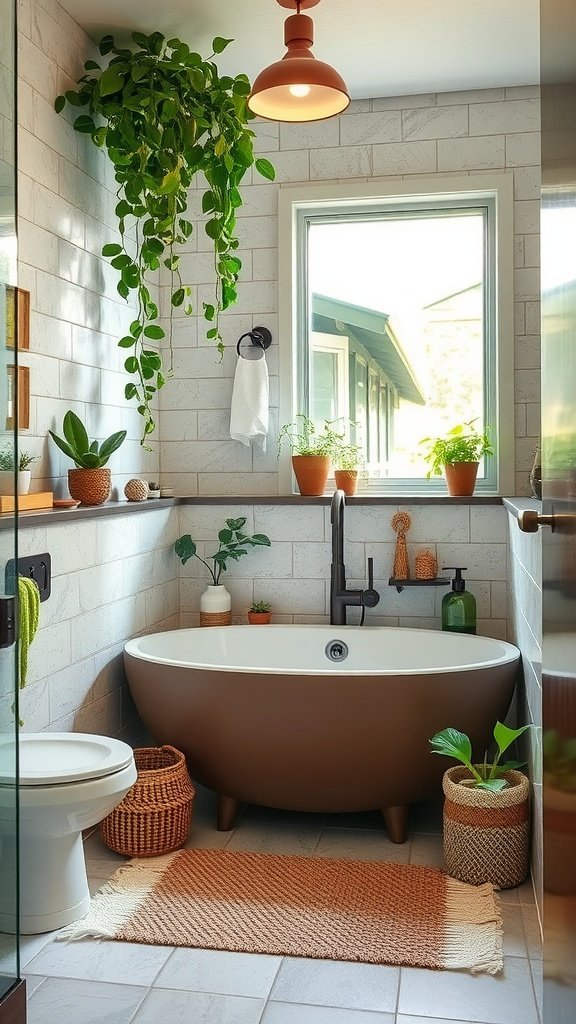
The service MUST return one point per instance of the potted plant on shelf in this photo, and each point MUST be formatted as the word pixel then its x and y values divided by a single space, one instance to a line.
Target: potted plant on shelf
pixel 89 483
pixel 7 466
pixel 458 453
pixel 347 460
pixel 215 602
pixel 259 613
pixel 311 452
pixel 486 811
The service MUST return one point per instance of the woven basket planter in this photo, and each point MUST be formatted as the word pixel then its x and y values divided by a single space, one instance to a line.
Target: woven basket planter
pixel 90 486
pixel 154 817
pixel 486 835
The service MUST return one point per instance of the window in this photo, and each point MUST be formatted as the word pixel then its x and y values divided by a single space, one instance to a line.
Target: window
pixel 400 313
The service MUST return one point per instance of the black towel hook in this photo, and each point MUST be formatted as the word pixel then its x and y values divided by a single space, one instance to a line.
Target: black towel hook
pixel 259 336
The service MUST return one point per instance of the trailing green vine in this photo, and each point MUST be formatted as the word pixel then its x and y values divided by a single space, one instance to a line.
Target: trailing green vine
pixel 163 113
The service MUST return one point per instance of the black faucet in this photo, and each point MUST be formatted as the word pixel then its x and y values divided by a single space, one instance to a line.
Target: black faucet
pixel 340 597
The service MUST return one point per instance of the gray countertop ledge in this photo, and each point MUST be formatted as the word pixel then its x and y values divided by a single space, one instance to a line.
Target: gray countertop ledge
pixel 52 517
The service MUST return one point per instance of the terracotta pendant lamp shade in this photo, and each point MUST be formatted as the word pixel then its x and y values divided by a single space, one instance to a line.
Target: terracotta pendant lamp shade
pixel 298 87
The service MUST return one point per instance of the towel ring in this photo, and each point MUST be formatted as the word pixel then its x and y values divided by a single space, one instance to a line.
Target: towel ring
pixel 259 336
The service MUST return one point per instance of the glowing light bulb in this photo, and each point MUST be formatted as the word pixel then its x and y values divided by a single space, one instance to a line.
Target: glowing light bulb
pixel 299 90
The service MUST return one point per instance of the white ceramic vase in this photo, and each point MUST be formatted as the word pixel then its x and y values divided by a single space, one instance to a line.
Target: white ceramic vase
pixel 215 606
pixel 7 481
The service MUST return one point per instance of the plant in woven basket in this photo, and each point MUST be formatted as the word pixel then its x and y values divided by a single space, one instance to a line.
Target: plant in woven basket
pixel 233 543
pixel 490 774
pixel 90 481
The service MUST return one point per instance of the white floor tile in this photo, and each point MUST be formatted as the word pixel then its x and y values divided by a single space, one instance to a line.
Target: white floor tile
pixel 62 1001
pixel 532 931
pixel 94 960
pixel 503 999
pixel 427 850
pixel 514 943
pixel 402 1018
pixel 292 1013
pixel 330 983
pixel 360 844
pixel 209 970
pixel 256 837
pixel 30 946
pixel 197 1008
pixel 33 981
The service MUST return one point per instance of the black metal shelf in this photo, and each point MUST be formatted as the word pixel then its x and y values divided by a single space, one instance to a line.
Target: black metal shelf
pixel 437 581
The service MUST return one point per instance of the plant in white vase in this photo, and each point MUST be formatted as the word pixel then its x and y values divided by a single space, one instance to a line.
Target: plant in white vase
pixel 7 467
pixel 215 602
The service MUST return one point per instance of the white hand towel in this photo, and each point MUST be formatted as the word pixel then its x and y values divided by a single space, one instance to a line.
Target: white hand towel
pixel 249 412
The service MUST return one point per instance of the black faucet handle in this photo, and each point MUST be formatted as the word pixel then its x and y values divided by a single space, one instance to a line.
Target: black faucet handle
pixel 370 597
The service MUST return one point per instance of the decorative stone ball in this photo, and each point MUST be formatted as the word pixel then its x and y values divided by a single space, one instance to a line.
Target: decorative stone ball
pixel 136 490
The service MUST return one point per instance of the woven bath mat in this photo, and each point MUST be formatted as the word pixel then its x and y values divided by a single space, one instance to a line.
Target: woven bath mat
pixel 332 909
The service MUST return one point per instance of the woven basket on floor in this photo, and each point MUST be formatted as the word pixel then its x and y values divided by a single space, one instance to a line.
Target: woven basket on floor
pixel 486 835
pixel 154 817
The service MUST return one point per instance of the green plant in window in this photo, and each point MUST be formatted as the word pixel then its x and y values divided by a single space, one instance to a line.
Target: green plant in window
pixel 304 438
pixel 164 114
pixel 460 444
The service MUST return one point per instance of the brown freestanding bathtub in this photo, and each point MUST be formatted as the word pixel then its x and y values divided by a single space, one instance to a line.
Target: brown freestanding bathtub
pixel 264 715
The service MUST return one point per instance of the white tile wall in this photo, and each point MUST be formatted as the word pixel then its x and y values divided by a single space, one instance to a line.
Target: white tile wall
pixel 396 136
pixel 111 579
pixel 294 573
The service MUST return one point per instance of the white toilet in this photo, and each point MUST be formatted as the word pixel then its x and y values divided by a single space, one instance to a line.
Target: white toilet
pixel 68 782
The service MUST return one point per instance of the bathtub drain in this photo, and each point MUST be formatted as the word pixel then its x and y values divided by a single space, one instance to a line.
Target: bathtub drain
pixel 336 650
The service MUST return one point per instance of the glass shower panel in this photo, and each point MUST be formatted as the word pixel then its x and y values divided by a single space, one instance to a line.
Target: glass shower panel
pixel 9 965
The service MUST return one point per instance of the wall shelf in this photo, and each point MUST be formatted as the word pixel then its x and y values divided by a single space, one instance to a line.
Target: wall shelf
pixel 437 581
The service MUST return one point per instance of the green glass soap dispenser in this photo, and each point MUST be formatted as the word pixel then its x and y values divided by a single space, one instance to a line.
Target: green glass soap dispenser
pixel 459 605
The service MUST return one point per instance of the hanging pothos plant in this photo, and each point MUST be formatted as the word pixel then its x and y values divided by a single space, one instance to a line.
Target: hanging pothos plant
pixel 163 114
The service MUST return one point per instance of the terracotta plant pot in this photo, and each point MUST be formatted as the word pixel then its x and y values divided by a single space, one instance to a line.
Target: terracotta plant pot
pixel 461 478
pixel 486 835
pixel 89 486
pixel 311 472
pixel 259 618
pixel 346 480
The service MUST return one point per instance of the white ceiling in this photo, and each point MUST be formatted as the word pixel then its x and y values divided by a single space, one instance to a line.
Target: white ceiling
pixel 380 47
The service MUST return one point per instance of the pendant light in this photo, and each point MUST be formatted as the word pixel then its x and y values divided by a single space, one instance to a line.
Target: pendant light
pixel 298 87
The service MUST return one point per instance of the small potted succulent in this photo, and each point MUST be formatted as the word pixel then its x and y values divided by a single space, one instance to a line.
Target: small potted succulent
pixel 458 453
pixel 90 482
pixel 259 613
pixel 311 452
pixel 486 811
pixel 7 466
pixel 215 602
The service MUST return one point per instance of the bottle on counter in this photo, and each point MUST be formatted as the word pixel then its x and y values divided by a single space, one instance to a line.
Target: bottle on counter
pixel 459 605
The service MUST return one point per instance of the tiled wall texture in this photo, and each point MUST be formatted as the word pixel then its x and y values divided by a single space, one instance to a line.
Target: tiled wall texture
pixel 389 139
pixel 112 578
pixel 66 213
pixel 294 573
pixel 525 630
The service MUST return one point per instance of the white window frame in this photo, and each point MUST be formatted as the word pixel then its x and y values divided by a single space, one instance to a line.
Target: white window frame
pixel 296 202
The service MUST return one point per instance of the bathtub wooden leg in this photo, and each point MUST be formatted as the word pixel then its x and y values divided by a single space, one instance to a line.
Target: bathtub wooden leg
pixel 396 819
pixel 228 808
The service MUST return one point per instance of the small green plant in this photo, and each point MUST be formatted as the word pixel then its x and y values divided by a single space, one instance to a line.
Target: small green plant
pixel 304 438
pixel 559 761
pixel 85 454
pixel 347 456
pixel 489 775
pixel 233 543
pixel 7 460
pixel 260 606
pixel 461 444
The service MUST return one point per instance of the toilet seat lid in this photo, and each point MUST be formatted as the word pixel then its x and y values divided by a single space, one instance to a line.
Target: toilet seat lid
pixel 51 758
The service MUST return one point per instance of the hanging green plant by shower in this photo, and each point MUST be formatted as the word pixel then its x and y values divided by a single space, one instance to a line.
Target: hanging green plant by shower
pixel 163 113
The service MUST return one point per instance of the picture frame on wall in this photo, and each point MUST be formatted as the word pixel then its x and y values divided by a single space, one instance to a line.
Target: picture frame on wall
pixel 17 317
